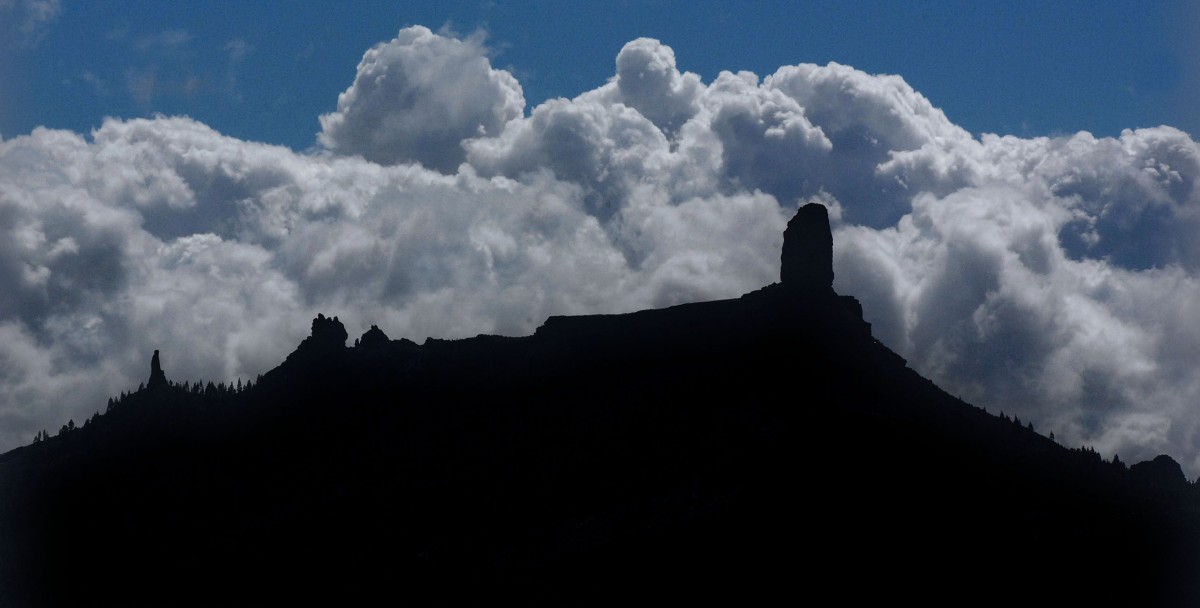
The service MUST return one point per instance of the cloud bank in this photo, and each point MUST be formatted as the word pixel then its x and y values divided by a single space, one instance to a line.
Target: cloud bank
pixel 1057 279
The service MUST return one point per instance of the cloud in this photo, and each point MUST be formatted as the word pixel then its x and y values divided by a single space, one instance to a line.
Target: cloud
pixel 1057 284
pixel 165 68
pixel 164 41
pixel 23 23
pixel 236 49
pixel 173 67
pixel 142 85
pixel 648 81
pixel 1053 278
pixel 416 97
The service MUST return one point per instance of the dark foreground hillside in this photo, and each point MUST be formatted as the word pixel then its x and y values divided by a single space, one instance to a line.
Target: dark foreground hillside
pixel 765 448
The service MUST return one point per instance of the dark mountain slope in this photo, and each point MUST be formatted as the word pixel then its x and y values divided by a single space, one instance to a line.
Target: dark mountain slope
pixel 758 448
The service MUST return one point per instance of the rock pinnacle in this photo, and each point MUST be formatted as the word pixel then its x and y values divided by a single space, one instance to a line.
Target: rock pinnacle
pixel 807 260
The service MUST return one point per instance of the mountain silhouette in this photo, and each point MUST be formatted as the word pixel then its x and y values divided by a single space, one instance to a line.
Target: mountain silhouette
pixel 760 449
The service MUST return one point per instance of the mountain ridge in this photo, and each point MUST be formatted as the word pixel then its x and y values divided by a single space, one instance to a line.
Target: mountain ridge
pixel 728 449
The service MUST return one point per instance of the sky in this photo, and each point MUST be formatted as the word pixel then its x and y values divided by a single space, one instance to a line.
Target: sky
pixel 1013 189
pixel 263 70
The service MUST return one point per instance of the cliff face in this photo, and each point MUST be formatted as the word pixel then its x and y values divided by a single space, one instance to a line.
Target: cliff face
pixel 746 449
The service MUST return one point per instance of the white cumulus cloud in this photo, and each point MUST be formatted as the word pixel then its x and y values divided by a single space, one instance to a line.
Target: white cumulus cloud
pixel 416 97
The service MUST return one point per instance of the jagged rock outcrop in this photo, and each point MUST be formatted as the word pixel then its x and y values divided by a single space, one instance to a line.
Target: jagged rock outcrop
pixel 1161 470
pixel 373 338
pixel 157 376
pixel 327 332
pixel 807 260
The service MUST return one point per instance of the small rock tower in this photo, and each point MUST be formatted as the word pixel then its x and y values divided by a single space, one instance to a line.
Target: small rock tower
pixel 157 376
pixel 807 260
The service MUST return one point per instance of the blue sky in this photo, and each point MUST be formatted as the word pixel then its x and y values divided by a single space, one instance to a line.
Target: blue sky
pixel 264 71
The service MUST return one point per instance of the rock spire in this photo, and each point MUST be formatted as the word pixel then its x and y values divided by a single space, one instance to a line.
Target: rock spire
pixel 807 260
pixel 157 376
